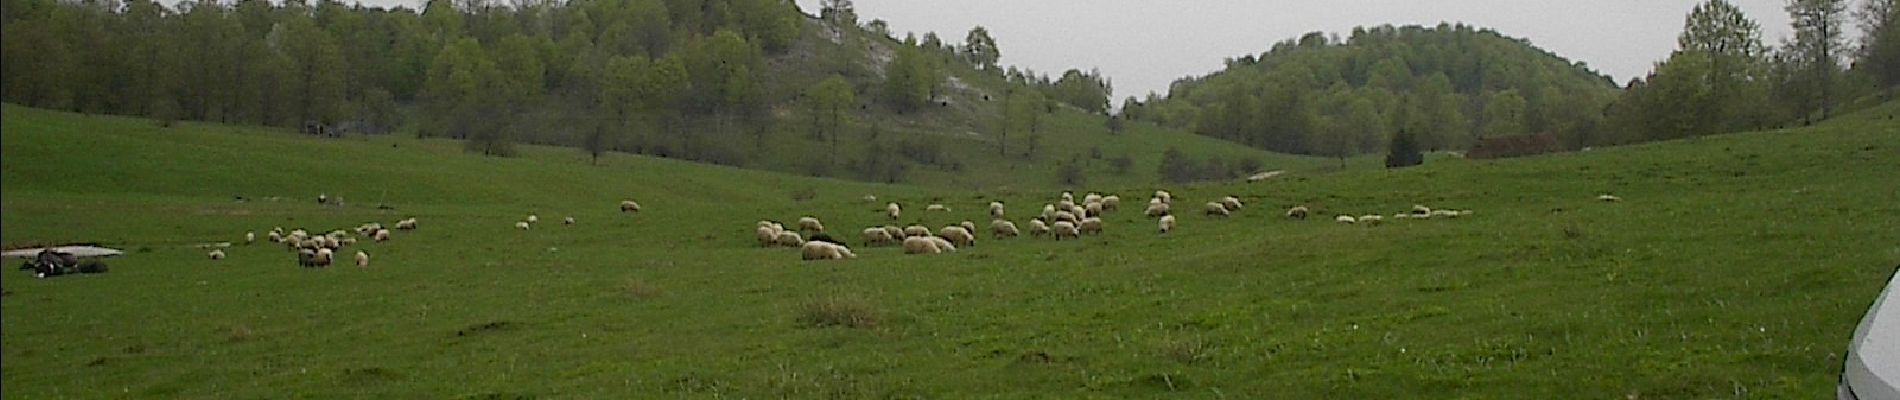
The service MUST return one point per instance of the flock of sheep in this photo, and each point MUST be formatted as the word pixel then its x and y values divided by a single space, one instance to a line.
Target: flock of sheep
pixel 320 250
pixel 1063 219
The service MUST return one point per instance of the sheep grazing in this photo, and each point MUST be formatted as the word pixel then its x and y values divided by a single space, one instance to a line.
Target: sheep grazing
pixel 1065 229
pixel 629 206
pixel 1444 213
pixel 1065 216
pixel 1090 225
pixel 916 230
pixel 323 257
pixel 1003 228
pixel 1065 205
pixel 1465 213
pixel 523 225
pixel 250 237
pixel 1038 228
pixel 996 210
pixel 306 258
pixel 1345 219
pixel 1609 198
pixel 1156 209
pixel 1418 209
pixel 1111 202
pixel 968 225
pixel 276 237
pixel 875 236
pixel 1231 203
pixel 216 254
pixel 767 236
pixel 825 251
pixel 1048 212
pixel 789 239
pixel 957 235
pixel 810 224
pixel 1216 209
pixel 1297 212
pixel 927 245
pixel 1371 220
pixel 1167 223
pixel 895 232
pixel 869 198
pixel 533 219
pixel 1164 196
pixel 937 207
pixel 1068 197
pixel 567 221
pixel 407 224
pixel 893 211
pixel 362 259
pixel 1092 209
pixel 383 234
pixel 1092 198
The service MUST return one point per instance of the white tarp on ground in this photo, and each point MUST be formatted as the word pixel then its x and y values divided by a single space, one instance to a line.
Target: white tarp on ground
pixel 1873 358
pixel 81 251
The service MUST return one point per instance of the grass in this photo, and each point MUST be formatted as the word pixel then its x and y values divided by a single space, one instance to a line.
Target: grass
pixel 1737 266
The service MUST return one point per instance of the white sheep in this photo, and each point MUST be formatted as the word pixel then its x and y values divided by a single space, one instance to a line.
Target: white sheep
pixel 996 210
pixel 1345 219
pixel 937 207
pixel 567 221
pixel 1003 228
pixel 870 198
pixel 926 245
pixel 1371 220
pixel 1167 223
pixel 810 224
pixel 789 239
pixel 629 206
pixel 1164 196
pixel 216 254
pixel 1065 205
pixel 1068 197
pixel 323 257
pixel 916 230
pixel 892 210
pixel 1231 203
pixel 1156 209
pixel 250 237
pixel 957 235
pixel 1065 216
pixel 522 225
pixel 1092 198
pixel 1444 213
pixel 767 236
pixel 276 237
pixel 1609 198
pixel 896 233
pixel 1420 209
pixel 1048 212
pixel 405 224
pixel 1298 212
pixel 1111 202
pixel 383 234
pixel 1092 209
pixel 968 226
pixel 1090 225
pixel 533 219
pixel 877 236
pixel 1038 228
pixel 362 259
pixel 825 251
pixel 1216 209
pixel 1065 229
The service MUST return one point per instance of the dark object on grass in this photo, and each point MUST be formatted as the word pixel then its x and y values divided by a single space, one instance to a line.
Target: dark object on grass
pixel 822 237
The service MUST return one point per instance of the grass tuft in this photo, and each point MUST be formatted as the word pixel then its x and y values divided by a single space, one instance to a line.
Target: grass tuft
pixel 848 312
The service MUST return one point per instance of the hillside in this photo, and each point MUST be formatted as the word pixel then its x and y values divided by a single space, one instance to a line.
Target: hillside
pixel 730 82
pixel 1446 86
pixel 1737 264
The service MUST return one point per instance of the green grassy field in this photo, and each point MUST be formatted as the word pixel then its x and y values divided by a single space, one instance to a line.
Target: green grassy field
pixel 1737 267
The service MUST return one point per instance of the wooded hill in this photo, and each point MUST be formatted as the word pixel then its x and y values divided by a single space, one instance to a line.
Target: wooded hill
pixel 1447 85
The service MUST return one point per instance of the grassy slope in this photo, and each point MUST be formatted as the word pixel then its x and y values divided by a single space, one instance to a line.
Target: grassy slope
pixel 1739 264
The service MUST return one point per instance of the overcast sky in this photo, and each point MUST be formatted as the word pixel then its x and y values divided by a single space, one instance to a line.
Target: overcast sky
pixel 1142 45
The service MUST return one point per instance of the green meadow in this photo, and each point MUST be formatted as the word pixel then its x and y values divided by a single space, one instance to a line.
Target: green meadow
pixel 1735 267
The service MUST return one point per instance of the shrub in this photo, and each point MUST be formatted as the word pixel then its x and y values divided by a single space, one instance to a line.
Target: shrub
pixel 848 312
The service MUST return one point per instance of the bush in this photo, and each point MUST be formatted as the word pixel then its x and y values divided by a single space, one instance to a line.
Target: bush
pixel 1403 152
pixel 1121 164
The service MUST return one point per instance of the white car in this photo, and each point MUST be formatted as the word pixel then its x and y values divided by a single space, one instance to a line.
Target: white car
pixel 1872 370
